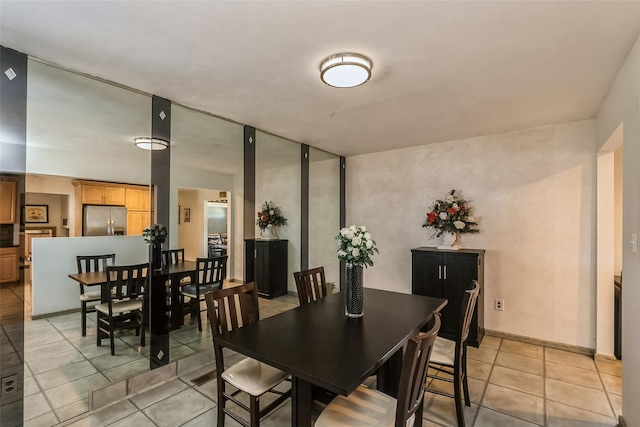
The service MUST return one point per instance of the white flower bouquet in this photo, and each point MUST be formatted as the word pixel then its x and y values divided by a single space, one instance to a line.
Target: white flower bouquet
pixel 155 234
pixel 452 215
pixel 355 246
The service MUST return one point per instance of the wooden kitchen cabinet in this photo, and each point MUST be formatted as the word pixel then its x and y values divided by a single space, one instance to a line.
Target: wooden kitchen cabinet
pixel 8 264
pixel 137 199
pixel 103 195
pixel 7 202
pixel 137 222
pixel 447 274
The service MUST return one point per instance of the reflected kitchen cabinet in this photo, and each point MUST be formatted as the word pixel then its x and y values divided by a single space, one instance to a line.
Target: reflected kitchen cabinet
pixel 137 222
pixel 103 195
pixel 137 199
pixel 8 264
pixel 7 202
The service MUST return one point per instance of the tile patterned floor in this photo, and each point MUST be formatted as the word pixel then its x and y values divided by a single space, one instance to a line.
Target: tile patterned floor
pixel 512 384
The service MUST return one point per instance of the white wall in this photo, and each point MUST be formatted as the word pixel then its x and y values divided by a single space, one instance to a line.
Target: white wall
pixel 533 196
pixel 618 179
pixel 55 258
pixel 622 106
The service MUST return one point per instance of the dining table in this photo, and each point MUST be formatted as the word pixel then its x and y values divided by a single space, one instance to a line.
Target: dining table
pixel 320 347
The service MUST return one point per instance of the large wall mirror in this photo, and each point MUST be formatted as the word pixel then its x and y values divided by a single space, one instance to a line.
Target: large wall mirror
pixel 278 170
pixel 324 213
pixel 81 164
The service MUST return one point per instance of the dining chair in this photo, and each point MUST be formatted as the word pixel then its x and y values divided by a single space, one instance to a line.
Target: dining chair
pixel 88 264
pixel 450 357
pixel 210 274
pixel 230 309
pixel 311 285
pixel 124 308
pixel 172 256
pixel 369 407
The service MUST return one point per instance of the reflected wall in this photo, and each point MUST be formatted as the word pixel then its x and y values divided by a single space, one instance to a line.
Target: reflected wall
pixel 278 180
pixel 324 213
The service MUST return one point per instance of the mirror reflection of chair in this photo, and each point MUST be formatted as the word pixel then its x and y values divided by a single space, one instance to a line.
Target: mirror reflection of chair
pixel 450 357
pixel 172 256
pixel 210 275
pixel 229 309
pixel 124 307
pixel 88 264
pixel 311 285
pixel 370 407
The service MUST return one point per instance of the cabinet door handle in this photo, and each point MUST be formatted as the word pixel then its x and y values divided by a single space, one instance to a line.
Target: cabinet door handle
pixel 445 272
pixel 439 272
pixel 255 253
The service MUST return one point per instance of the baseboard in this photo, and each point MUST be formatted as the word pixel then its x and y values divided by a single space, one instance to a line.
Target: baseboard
pixel 57 313
pixel 605 357
pixel 621 422
pixel 537 341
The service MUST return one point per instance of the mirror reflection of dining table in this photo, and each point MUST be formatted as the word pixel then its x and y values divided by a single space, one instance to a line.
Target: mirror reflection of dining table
pixel 321 347
pixel 174 272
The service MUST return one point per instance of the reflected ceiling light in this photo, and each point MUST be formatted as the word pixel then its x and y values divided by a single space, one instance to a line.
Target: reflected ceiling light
pixel 151 144
pixel 345 70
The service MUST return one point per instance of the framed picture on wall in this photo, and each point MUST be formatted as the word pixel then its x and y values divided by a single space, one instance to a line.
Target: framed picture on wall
pixel 187 215
pixel 36 213
pixel 179 214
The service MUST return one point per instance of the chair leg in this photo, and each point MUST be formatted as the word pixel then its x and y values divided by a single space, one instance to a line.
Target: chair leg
pixel 84 318
pixel 199 314
pixel 111 338
pixel 254 411
pixel 221 402
pixel 142 342
pixel 457 396
pixel 465 384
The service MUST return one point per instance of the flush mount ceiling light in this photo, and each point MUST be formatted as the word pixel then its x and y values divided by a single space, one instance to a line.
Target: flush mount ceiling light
pixel 151 144
pixel 345 70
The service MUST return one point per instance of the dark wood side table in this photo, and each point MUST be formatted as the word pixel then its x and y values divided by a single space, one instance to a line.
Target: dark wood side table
pixel 266 264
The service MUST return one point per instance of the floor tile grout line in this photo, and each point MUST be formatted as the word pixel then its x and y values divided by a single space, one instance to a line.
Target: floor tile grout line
pixel 606 392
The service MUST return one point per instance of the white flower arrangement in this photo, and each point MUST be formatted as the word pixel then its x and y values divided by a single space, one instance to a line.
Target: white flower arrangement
pixel 154 234
pixel 355 246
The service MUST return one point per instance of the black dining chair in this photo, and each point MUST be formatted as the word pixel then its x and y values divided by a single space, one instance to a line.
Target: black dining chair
pixel 210 275
pixel 88 264
pixel 369 407
pixel 124 308
pixel 450 357
pixel 311 285
pixel 230 309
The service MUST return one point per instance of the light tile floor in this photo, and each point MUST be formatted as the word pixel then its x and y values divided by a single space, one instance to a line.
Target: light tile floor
pixel 511 383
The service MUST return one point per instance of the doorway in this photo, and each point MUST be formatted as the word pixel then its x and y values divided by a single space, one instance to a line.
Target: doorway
pixel 609 247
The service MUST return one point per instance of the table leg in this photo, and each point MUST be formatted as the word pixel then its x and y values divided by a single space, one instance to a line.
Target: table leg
pixel 300 403
pixel 176 308
pixel 389 375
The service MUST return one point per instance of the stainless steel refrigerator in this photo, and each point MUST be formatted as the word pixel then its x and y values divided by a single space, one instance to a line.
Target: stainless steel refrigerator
pixel 104 221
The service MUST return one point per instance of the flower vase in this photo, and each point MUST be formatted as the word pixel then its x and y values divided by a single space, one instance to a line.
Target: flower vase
pixel 451 241
pixel 354 304
pixel 155 256
pixel 269 233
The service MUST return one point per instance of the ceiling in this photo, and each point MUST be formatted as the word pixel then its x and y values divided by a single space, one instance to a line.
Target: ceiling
pixel 443 70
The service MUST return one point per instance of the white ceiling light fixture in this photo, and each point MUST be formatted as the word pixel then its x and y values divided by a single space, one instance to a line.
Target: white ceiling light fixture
pixel 345 70
pixel 151 144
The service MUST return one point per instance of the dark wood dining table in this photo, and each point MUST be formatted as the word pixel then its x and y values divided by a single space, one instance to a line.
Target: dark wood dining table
pixel 175 272
pixel 319 346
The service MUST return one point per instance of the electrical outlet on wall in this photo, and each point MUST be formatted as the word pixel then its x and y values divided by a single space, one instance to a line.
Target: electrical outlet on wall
pixel 9 385
pixel 498 304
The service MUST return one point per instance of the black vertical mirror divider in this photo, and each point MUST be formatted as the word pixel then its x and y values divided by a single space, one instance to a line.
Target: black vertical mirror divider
pixel 13 139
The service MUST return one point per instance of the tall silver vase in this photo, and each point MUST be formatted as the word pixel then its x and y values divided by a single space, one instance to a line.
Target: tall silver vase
pixel 354 298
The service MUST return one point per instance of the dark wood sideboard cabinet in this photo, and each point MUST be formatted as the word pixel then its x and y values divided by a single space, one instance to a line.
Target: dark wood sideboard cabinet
pixel 447 274
pixel 266 264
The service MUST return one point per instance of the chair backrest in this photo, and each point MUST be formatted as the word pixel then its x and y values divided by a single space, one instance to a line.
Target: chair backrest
pixel 126 281
pixel 414 372
pixel 90 263
pixel 311 285
pixel 211 271
pixel 466 312
pixel 230 309
pixel 172 256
